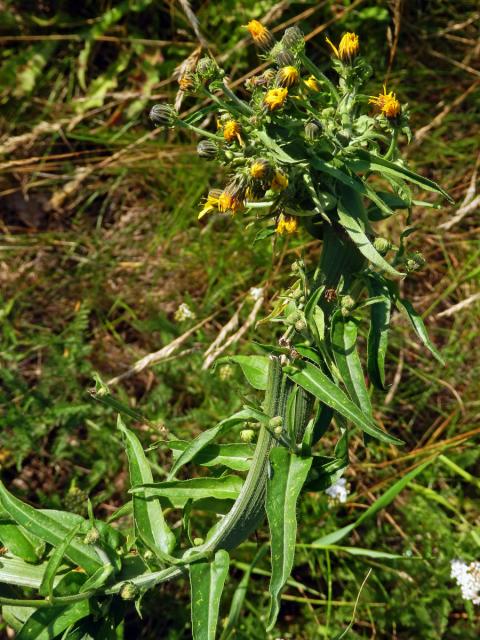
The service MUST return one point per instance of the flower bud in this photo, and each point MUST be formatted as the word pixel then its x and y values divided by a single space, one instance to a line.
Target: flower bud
pixel 287 76
pixel 128 591
pixel 382 245
pixel 415 261
pixel 207 149
pixel 300 325
pixel 278 430
pixel 313 130
pixel 198 541
pixel 163 115
pixel 247 435
pixel 293 39
pixel 276 421
pixel 293 317
pixel 207 68
pixel 92 536
pixel 283 57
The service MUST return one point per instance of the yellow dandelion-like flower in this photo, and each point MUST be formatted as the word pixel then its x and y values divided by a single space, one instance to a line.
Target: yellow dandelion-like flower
pixel 286 225
pixel 312 83
pixel 258 169
pixel 211 202
pixel 231 131
pixel 279 182
pixel 387 103
pixel 228 202
pixel 275 98
pixel 288 76
pixel 260 34
pixel 348 48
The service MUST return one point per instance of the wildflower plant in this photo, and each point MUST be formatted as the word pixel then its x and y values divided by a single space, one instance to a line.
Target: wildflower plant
pixel 303 155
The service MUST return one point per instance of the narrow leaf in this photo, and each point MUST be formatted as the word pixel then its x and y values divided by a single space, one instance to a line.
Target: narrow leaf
pixel 18 542
pixel 148 515
pixel 378 333
pixel 207 580
pixel 344 345
pixel 54 562
pixel 234 456
pixel 226 487
pixel 45 624
pixel 317 383
pixel 288 476
pixel 419 327
pixel 255 369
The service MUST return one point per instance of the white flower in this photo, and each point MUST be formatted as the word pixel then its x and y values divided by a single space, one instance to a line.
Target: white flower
pixel 256 292
pixel 184 313
pixel 338 491
pixel 467 577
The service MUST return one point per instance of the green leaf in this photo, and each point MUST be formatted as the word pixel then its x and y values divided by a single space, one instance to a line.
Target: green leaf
pixel 48 529
pixel 19 543
pixel 417 323
pixel 206 437
pixel 20 573
pixel 383 501
pixel 371 162
pixel 207 580
pixel 344 345
pixel 314 315
pixel 377 342
pixel 255 369
pixel 54 562
pixel 317 383
pixel 98 579
pixel 179 491
pixel 147 514
pixel 234 456
pixel 353 225
pixel 288 475
pixel 45 624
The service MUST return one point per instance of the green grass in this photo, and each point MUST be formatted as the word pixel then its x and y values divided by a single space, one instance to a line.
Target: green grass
pixel 94 285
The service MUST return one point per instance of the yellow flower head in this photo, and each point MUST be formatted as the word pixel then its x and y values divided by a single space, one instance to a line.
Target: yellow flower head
pixel 228 202
pixel 279 182
pixel 211 202
pixel 258 169
pixel 348 48
pixel 312 83
pixel 286 225
pixel 387 103
pixel 275 98
pixel 260 34
pixel 288 76
pixel 231 131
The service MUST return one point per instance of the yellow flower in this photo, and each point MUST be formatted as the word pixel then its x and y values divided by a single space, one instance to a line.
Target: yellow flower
pixel 279 182
pixel 288 76
pixel 258 169
pixel 260 34
pixel 275 98
pixel 231 131
pixel 286 225
pixel 348 48
pixel 227 202
pixel 211 202
pixel 312 83
pixel 387 103
pixel 186 82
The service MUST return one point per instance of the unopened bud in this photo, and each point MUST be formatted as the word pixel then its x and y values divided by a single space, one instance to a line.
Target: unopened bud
pixel 247 435
pixel 207 149
pixel 283 57
pixel 198 541
pixel 313 130
pixel 293 317
pixel 207 68
pixel 163 115
pixel 278 430
pixel 293 39
pixel 382 245
pixel 415 261
pixel 300 325
pixel 128 591
pixel 276 421
pixel 92 536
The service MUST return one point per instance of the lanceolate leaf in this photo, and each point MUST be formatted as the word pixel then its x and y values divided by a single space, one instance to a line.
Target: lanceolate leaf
pixel 288 476
pixel 378 333
pixel 49 530
pixel 255 369
pixel 224 488
pixel 318 384
pixel 234 456
pixel 353 225
pixel 19 543
pixel 207 580
pixel 149 520
pixel 417 324
pixel 206 437
pixel 46 588
pixel 344 345
pixel 45 624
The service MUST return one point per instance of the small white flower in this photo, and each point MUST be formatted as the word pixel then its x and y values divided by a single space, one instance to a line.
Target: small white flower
pixel 467 577
pixel 338 491
pixel 184 313
pixel 256 292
